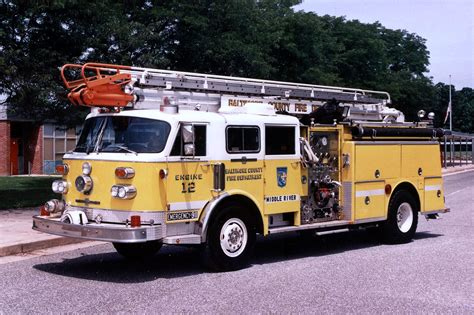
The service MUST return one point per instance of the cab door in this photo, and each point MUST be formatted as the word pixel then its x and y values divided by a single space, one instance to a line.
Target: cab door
pixel 189 179
pixel 282 170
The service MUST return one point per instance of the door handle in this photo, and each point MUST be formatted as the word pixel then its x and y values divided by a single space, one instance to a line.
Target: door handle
pixel 244 160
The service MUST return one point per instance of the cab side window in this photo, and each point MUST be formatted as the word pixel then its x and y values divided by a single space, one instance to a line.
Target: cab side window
pixel 199 142
pixel 242 139
pixel 279 140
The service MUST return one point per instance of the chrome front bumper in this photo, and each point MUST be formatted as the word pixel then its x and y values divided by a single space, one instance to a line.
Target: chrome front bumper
pixel 100 232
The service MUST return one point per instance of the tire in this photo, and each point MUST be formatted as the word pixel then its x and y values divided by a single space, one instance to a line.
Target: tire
pixel 134 251
pixel 230 240
pixel 402 219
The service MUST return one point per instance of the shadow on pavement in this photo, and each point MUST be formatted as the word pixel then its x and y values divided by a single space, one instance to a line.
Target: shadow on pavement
pixel 278 248
pixel 423 235
pixel 170 262
pixel 175 262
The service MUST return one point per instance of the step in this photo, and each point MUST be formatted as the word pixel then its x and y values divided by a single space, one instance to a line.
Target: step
pixel 319 225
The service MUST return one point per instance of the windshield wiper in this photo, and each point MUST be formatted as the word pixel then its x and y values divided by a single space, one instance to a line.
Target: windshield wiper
pixel 116 147
pixel 89 149
pixel 99 137
pixel 126 149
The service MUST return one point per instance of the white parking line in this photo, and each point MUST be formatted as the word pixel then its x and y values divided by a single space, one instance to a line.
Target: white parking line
pixel 460 172
pixel 455 192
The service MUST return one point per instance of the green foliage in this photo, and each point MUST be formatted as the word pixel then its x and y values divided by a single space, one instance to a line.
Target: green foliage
pixel 463 108
pixel 262 39
pixel 25 191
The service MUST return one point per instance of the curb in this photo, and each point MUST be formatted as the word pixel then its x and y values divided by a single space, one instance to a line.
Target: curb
pixel 23 248
pixel 457 171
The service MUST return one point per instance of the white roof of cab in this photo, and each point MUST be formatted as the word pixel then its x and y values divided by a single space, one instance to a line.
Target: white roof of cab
pixel 205 117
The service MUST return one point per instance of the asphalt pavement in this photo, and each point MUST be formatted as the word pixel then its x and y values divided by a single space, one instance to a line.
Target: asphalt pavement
pixel 342 273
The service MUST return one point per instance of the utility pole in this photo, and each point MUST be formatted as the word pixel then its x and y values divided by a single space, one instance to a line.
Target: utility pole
pixel 450 107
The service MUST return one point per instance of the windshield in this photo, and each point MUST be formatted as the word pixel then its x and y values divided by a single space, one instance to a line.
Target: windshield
pixel 123 134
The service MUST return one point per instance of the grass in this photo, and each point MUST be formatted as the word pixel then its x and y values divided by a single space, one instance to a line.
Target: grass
pixel 25 191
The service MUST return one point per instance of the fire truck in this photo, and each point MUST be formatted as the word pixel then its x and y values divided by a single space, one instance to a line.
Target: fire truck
pixel 169 157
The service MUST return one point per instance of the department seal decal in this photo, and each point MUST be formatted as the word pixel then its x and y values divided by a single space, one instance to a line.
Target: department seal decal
pixel 282 173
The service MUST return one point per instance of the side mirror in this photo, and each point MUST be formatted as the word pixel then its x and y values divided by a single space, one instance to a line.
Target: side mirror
pixel 187 134
pixel 189 149
pixel 219 177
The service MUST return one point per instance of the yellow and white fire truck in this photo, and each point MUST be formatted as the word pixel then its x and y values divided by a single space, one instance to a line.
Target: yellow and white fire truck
pixel 168 157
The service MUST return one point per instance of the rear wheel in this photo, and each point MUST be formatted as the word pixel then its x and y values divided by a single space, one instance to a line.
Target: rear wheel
pixel 402 219
pixel 230 240
pixel 138 250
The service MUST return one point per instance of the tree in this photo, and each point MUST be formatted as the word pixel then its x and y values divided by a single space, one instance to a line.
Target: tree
pixel 463 110
pixel 255 38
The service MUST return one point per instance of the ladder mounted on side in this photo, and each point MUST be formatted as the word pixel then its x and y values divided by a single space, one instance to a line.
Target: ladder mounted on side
pixel 116 86
pixel 116 83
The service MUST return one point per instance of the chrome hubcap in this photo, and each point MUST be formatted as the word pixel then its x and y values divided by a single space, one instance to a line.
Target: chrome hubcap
pixel 233 237
pixel 404 217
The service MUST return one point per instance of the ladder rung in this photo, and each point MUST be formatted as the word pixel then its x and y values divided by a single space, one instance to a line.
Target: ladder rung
pixel 177 83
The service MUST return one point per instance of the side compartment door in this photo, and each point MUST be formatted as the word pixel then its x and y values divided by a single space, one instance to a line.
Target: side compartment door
pixel 283 187
pixel 374 165
pixel 434 194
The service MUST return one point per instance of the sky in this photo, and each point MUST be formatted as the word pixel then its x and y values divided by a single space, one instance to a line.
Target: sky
pixel 447 25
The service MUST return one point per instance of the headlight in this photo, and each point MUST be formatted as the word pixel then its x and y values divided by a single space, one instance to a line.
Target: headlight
pixel 123 191
pixel 59 186
pixel 62 169
pixel 83 184
pixel 114 191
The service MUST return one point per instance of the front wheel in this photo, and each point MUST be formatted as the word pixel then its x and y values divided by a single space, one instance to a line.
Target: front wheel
pixel 402 219
pixel 135 251
pixel 230 240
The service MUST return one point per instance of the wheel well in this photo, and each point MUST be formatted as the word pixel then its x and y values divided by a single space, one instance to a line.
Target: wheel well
pixel 246 204
pixel 411 190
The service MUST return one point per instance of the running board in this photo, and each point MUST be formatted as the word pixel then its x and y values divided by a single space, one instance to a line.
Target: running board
pixel 313 226
pixel 183 239
pixel 332 232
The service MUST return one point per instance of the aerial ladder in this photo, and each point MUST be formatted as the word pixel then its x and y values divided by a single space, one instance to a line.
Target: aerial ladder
pixel 117 87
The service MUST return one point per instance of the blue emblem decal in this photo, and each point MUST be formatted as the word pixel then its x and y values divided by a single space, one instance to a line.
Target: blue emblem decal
pixel 281 176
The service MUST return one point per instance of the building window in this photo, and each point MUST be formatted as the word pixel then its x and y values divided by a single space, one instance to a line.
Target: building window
pixel 57 140
pixel 279 140
pixel 243 139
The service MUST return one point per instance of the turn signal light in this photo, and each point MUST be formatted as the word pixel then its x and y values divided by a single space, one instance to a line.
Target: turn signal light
pixel 43 212
pixel 62 169
pixel 163 173
pixel 388 189
pixel 135 221
pixel 124 172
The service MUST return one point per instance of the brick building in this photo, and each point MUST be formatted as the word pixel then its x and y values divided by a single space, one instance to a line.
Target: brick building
pixel 27 147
